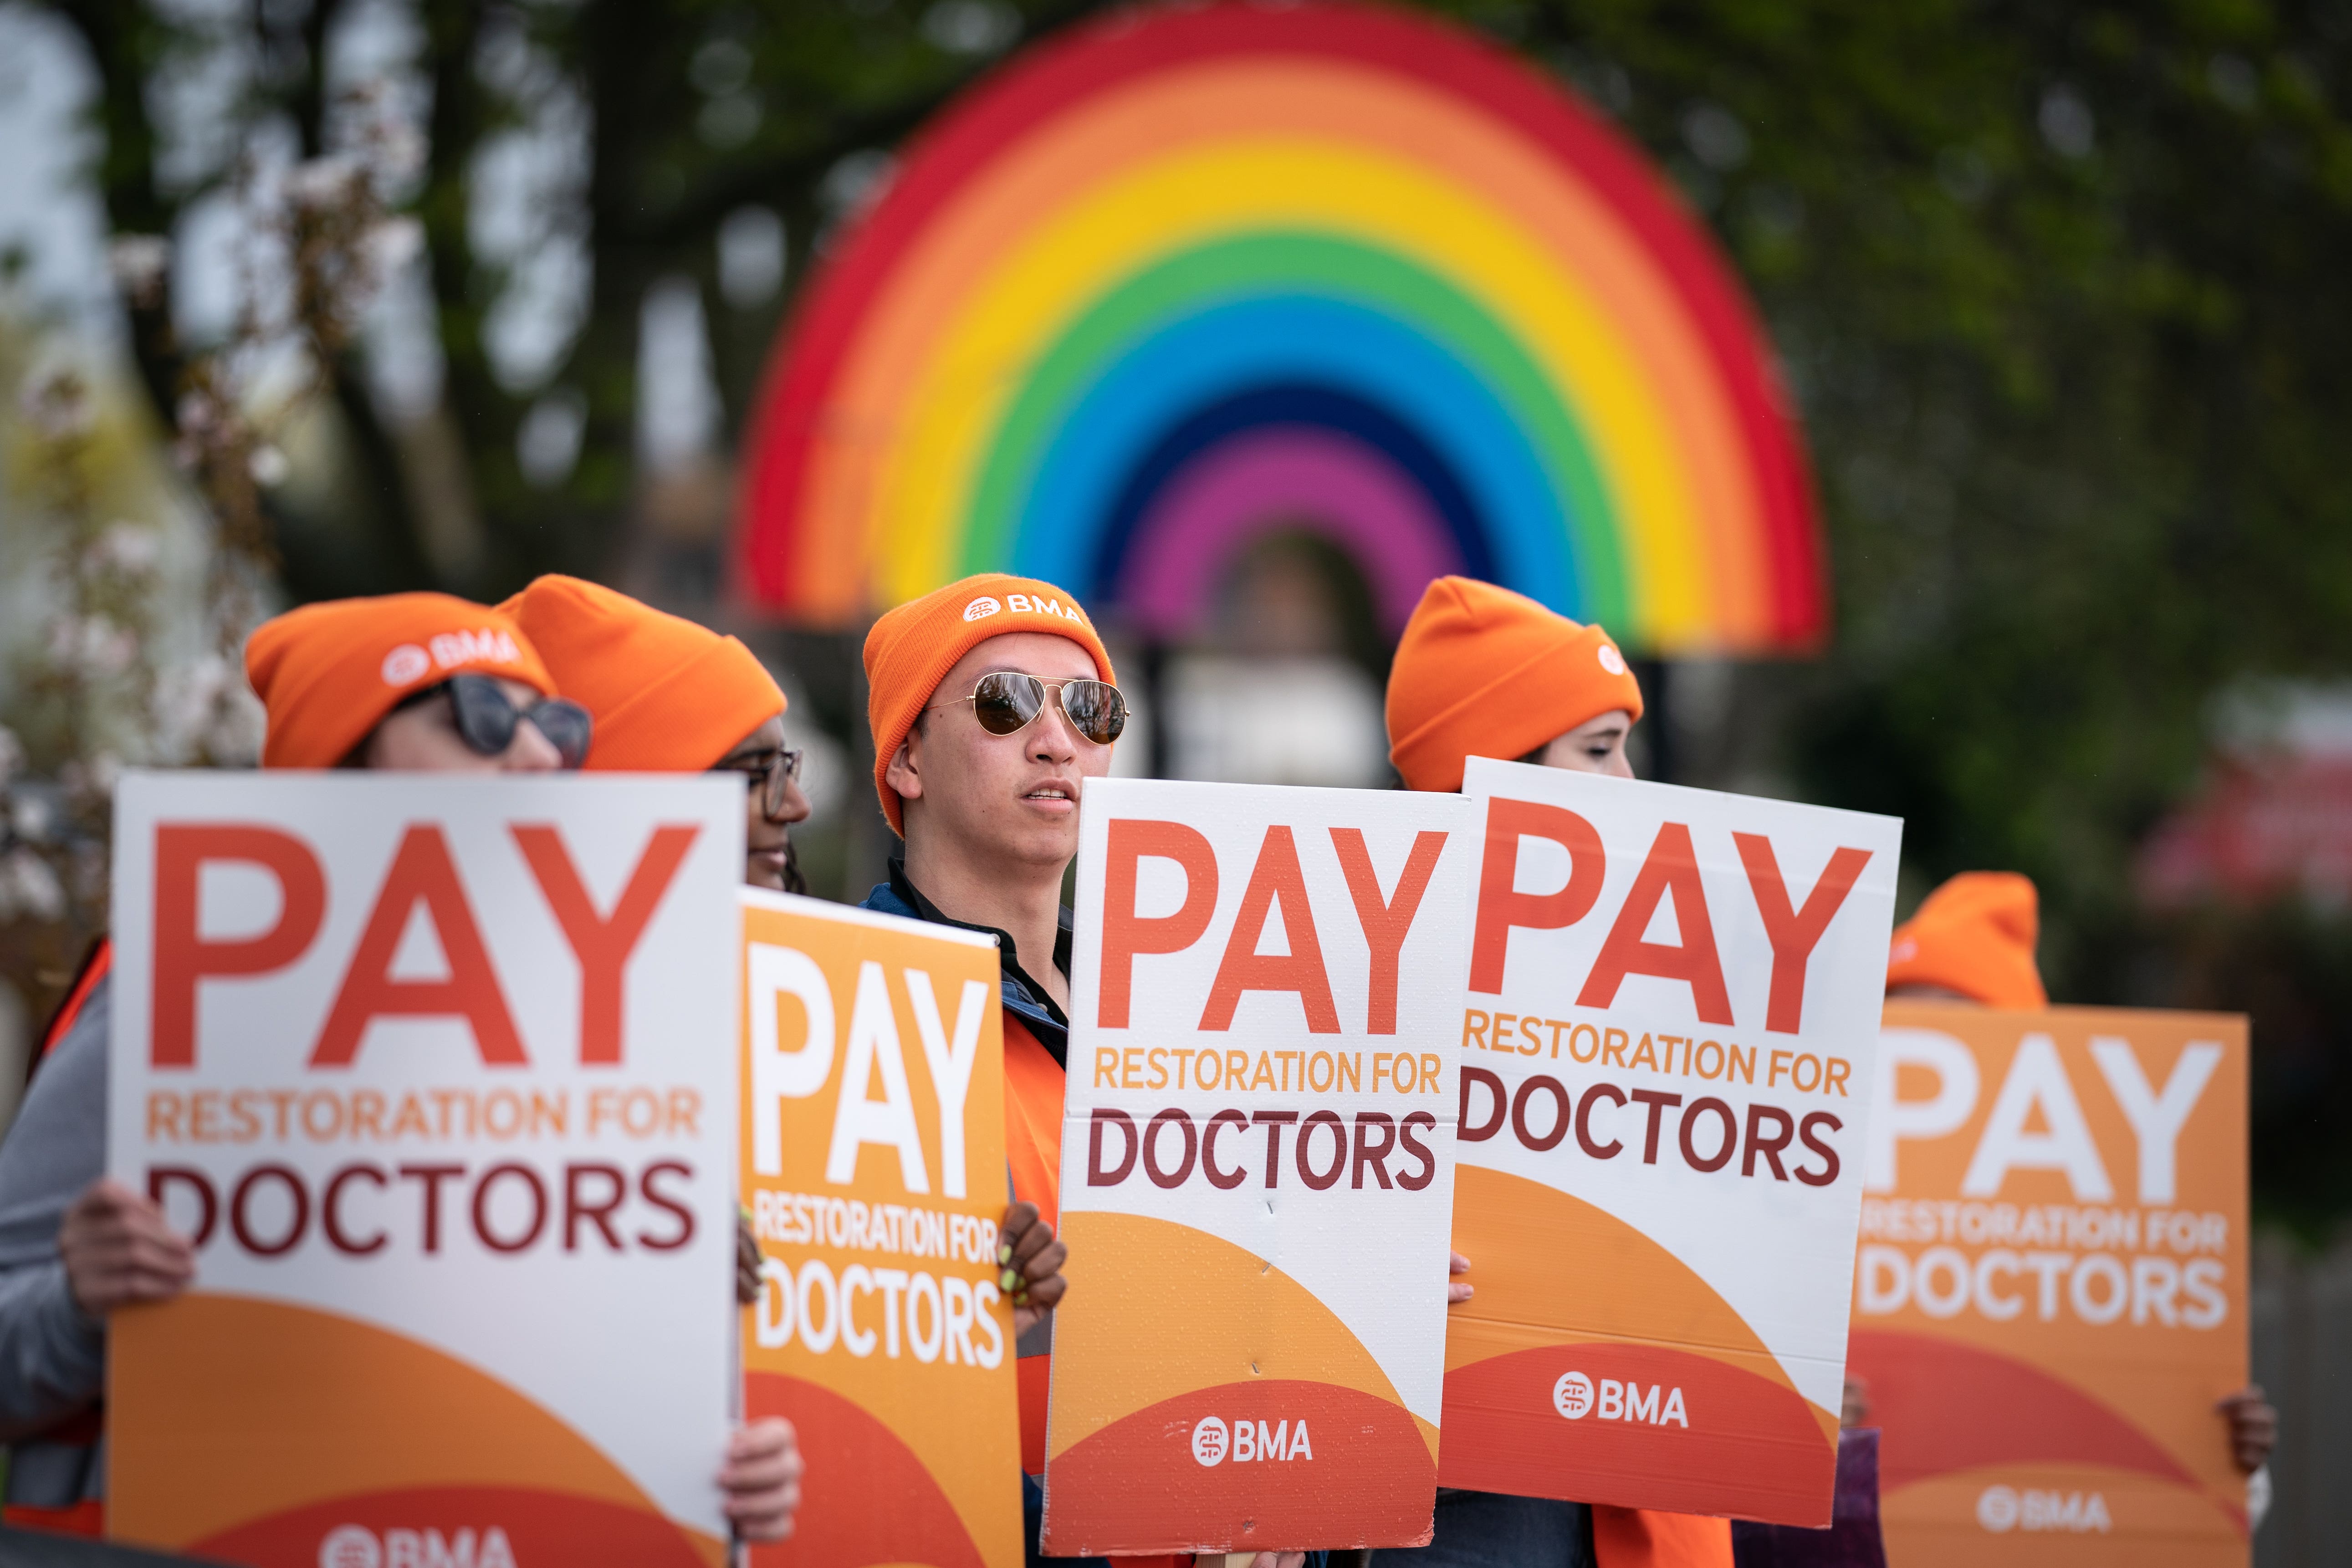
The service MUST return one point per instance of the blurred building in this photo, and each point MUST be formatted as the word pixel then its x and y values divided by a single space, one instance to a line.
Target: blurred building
pixel 2274 819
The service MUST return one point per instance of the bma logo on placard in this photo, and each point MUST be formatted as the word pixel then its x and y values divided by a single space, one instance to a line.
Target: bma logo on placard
pixel 2003 1509
pixel 1575 1396
pixel 1246 1440
pixel 356 1546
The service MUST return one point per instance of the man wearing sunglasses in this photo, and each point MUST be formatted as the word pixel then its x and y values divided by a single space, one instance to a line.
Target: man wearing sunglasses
pixel 992 701
pixel 416 682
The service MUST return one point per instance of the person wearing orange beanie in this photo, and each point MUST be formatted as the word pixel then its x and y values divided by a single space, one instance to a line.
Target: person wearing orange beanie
pixel 992 701
pixel 671 696
pixel 1482 671
pixel 408 681
pixel 1971 943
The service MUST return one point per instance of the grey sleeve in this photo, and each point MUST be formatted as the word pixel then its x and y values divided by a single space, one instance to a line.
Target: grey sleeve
pixel 52 1357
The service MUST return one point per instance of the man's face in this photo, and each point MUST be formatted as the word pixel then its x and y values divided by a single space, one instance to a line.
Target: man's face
pixel 423 738
pixel 1012 797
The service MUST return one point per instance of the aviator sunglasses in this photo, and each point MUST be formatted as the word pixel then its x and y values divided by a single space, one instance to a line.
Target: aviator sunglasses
pixel 1007 701
pixel 486 718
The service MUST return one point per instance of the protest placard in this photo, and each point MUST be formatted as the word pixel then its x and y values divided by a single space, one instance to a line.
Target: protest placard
pixel 2051 1289
pixel 873 1166
pixel 1671 1014
pixel 1256 1167
pixel 438 1073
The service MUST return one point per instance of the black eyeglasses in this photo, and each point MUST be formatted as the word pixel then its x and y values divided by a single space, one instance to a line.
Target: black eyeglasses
pixel 1007 701
pixel 486 718
pixel 773 774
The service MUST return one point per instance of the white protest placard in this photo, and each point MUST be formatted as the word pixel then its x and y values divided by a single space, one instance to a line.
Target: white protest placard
pixel 1668 1038
pixel 1256 1167
pixel 439 1073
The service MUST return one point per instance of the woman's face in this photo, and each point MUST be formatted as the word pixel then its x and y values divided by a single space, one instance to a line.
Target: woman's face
pixel 423 738
pixel 1595 746
pixel 767 842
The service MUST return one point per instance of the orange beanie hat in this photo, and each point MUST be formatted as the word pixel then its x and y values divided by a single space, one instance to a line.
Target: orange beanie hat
pixel 1974 935
pixel 1484 672
pixel 667 696
pixel 328 673
pixel 911 649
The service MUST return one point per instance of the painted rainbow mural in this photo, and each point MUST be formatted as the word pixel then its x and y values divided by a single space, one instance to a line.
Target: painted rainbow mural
pixel 1180 277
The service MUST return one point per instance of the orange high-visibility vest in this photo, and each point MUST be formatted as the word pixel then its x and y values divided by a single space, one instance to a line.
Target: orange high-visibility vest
pixel 1636 1538
pixel 1034 1091
pixel 93 970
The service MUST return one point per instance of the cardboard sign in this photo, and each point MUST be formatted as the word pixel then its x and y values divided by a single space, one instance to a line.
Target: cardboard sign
pixel 439 1074
pixel 2051 1292
pixel 1256 1168
pixel 1671 1012
pixel 873 1086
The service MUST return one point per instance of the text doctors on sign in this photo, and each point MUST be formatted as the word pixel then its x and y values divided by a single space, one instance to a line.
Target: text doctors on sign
pixel 2051 1289
pixel 439 1074
pixel 874 1166
pixel 1668 1035
pixel 1257 1167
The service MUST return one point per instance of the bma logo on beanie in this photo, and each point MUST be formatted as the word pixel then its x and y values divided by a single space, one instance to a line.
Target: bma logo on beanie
pixel 1610 660
pixel 450 650
pixel 979 609
pixel 1039 605
pixel 405 664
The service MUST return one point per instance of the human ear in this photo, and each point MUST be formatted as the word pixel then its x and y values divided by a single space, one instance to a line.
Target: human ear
pixel 902 775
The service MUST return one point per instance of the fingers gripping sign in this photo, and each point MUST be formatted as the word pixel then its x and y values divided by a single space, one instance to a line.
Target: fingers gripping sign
pixel 1032 1261
pixel 119 1249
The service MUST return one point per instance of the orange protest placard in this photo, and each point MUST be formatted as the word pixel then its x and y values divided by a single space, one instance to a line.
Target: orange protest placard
pixel 2051 1291
pixel 872 1094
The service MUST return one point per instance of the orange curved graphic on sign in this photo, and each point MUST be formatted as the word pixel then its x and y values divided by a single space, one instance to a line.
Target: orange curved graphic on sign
pixel 1266 1320
pixel 477 1525
pixel 250 1407
pixel 1656 1427
pixel 1565 1287
pixel 1308 1454
pixel 1946 1407
pixel 837 1522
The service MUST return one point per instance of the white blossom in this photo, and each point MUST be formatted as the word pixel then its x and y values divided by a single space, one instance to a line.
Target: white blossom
pixel 322 183
pixel 27 887
pixel 130 548
pixel 392 245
